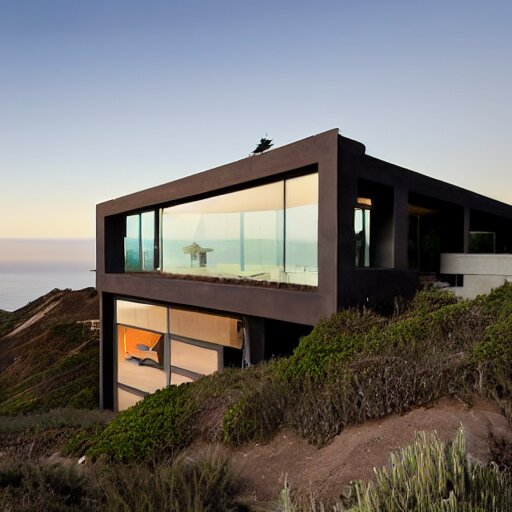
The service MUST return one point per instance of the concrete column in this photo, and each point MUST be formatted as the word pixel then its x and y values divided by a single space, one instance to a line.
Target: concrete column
pixel 254 348
pixel 400 227
pixel 107 370
pixel 467 218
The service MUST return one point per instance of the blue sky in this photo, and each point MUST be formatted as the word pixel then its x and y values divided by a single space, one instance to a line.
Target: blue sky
pixel 102 98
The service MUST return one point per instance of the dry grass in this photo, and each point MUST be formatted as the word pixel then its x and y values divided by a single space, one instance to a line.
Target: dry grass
pixel 206 485
pixel 426 476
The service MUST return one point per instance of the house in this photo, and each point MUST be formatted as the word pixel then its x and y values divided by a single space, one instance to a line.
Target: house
pixel 233 265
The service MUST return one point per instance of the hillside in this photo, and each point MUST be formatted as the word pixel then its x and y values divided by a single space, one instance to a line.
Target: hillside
pixel 47 359
pixel 285 435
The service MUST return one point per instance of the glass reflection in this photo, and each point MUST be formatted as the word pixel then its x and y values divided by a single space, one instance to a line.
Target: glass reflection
pixel 302 230
pixel 148 240
pixel 131 244
pixel 362 237
pixel 230 235
pixel 242 234
pixel 140 242
pixel 194 358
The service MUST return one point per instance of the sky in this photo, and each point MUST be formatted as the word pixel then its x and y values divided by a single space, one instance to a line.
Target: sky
pixel 102 98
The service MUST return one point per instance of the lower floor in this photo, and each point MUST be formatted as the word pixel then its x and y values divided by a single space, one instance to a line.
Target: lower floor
pixel 154 345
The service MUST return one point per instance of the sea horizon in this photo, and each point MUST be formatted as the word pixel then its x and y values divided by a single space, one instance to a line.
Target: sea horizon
pixel 32 267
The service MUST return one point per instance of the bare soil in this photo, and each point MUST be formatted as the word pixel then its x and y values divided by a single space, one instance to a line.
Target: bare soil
pixel 357 450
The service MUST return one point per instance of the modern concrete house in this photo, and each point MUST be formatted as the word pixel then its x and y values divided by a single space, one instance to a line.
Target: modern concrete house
pixel 232 265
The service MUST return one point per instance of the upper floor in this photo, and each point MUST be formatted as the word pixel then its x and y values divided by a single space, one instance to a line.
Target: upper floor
pixel 293 234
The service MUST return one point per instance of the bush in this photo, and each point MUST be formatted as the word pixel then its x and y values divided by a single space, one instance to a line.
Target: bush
pixel 160 425
pixel 25 487
pixel 334 339
pixel 186 486
pixel 357 366
pixel 352 367
pixel 428 475
pixel 256 416
pixel 424 476
pixel 430 299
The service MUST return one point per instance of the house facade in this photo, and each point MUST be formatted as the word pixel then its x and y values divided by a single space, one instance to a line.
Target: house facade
pixel 232 265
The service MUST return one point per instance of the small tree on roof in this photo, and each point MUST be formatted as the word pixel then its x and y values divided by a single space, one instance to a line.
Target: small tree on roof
pixel 263 146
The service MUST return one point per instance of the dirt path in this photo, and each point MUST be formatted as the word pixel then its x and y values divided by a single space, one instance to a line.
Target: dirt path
pixel 357 450
pixel 45 309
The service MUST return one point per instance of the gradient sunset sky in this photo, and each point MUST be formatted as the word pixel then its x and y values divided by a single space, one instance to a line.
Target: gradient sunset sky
pixel 102 98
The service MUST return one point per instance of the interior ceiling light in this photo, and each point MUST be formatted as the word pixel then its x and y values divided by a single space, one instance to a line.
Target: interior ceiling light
pixel 364 201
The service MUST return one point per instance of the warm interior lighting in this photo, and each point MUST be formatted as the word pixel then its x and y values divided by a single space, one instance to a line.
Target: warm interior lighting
pixel 420 211
pixel 217 329
pixel 364 201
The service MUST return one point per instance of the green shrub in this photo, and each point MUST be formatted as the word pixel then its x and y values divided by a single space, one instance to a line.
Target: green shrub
pixel 333 339
pixel 160 425
pixel 430 299
pixel 428 475
pixel 498 303
pixel 186 486
pixel 256 416
pixel 25 487
pixel 357 366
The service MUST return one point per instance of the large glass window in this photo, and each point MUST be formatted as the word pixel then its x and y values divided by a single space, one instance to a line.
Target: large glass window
pixel 230 235
pixel 267 233
pixel 162 345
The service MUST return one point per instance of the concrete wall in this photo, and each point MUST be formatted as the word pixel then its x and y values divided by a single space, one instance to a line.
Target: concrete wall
pixel 482 272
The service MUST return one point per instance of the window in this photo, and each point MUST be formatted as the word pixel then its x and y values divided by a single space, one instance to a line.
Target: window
pixel 267 233
pixel 161 345
pixel 141 358
pixel 482 242
pixel 231 235
pixel 141 242
pixel 301 234
pixel 362 232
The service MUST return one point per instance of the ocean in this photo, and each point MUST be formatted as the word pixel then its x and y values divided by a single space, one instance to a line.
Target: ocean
pixel 19 288
pixel 30 268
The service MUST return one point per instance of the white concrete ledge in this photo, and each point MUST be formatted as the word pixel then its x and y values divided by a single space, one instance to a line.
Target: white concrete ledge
pixel 477 264
pixel 482 272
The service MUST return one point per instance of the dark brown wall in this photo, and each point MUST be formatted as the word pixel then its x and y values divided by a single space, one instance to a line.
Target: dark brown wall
pixel 342 166
pixel 305 307
pixel 107 320
pixel 393 187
